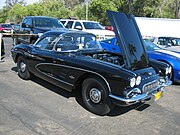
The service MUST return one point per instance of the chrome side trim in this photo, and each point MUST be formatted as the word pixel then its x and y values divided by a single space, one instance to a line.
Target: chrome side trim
pixel 54 77
pixel 131 100
pixel 76 69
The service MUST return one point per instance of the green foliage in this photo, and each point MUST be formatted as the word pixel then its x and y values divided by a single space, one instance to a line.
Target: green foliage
pixel 79 12
pixel 3 15
pixel 16 10
pixel 55 8
pixel 97 10
pixel 17 13
pixel 167 9
pixel 35 9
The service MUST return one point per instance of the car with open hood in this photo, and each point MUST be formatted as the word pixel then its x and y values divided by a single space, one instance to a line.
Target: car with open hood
pixel 74 60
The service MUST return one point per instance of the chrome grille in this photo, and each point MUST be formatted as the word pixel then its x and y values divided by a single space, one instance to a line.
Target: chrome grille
pixel 150 86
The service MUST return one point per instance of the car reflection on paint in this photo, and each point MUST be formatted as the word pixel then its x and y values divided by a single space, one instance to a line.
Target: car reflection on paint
pixel 154 52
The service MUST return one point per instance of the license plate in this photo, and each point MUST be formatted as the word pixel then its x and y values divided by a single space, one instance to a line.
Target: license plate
pixel 158 95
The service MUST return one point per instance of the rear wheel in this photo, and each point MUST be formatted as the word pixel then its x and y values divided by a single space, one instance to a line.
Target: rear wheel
pixel 95 96
pixel 22 68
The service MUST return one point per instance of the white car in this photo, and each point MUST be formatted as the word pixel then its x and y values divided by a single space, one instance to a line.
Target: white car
pixel 88 26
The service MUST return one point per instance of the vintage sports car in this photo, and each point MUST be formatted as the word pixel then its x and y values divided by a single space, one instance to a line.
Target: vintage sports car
pixel 75 60
pixel 154 52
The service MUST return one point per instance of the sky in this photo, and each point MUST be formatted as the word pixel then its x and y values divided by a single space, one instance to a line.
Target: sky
pixel 2 2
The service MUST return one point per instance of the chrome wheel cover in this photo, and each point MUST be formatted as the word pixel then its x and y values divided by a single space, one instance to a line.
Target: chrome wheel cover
pixel 22 67
pixel 95 95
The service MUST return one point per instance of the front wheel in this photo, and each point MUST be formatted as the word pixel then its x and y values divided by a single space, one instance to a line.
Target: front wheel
pixel 22 68
pixel 95 96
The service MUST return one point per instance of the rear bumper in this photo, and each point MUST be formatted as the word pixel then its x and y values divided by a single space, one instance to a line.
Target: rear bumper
pixel 139 98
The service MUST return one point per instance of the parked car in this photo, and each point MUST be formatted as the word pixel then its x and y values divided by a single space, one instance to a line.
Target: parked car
pixel 5 28
pixel 154 52
pixel 88 26
pixel 167 41
pixel 74 60
pixel 32 27
pixel 109 28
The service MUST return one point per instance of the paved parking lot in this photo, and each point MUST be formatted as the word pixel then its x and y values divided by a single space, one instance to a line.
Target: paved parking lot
pixel 36 107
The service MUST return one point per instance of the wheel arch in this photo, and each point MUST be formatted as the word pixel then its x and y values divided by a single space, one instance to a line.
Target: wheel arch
pixel 80 80
pixel 170 65
pixel 17 56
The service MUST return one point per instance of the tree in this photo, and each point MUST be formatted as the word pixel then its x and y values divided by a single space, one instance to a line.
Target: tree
pixel 177 9
pixel 17 13
pixel 55 8
pixel 71 3
pixel 97 10
pixel 79 12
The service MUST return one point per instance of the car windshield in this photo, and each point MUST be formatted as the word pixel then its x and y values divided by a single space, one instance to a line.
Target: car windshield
pixel 74 42
pixel 92 25
pixel 150 46
pixel 6 25
pixel 48 22
pixel 176 41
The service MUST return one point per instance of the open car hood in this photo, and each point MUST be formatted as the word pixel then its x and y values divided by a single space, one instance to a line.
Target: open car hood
pixel 129 39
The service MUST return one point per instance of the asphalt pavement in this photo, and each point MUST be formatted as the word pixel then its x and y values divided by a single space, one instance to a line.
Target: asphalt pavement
pixel 36 107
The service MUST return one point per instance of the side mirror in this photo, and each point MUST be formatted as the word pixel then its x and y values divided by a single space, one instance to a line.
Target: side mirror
pixel 78 27
pixel 23 25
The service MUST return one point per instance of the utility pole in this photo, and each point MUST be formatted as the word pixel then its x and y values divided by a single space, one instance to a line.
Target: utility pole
pixel 87 5
pixel 177 12
pixel 129 5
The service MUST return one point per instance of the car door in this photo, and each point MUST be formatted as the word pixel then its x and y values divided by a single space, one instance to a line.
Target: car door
pixel 41 58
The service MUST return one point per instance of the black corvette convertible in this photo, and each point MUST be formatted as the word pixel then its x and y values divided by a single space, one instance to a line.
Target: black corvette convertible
pixel 73 59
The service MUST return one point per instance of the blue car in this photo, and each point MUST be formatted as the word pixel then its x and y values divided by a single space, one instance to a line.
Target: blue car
pixel 154 52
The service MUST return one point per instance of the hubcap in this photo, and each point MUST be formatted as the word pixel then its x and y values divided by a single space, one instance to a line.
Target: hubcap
pixel 95 95
pixel 22 67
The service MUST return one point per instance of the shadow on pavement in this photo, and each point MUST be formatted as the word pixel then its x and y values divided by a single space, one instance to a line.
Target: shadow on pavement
pixel 77 94
pixel 122 110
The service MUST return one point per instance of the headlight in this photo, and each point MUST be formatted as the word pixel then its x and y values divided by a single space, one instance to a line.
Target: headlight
pixel 132 82
pixel 138 80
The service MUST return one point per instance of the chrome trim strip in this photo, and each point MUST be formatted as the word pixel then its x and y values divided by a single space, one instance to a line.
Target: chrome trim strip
pixel 168 82
pixel 54 77
pixel 131 100
pixel 76 69
pixel 149 84
pixel 141 97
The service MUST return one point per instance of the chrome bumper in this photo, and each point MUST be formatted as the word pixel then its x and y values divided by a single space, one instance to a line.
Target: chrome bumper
pixel 141 97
